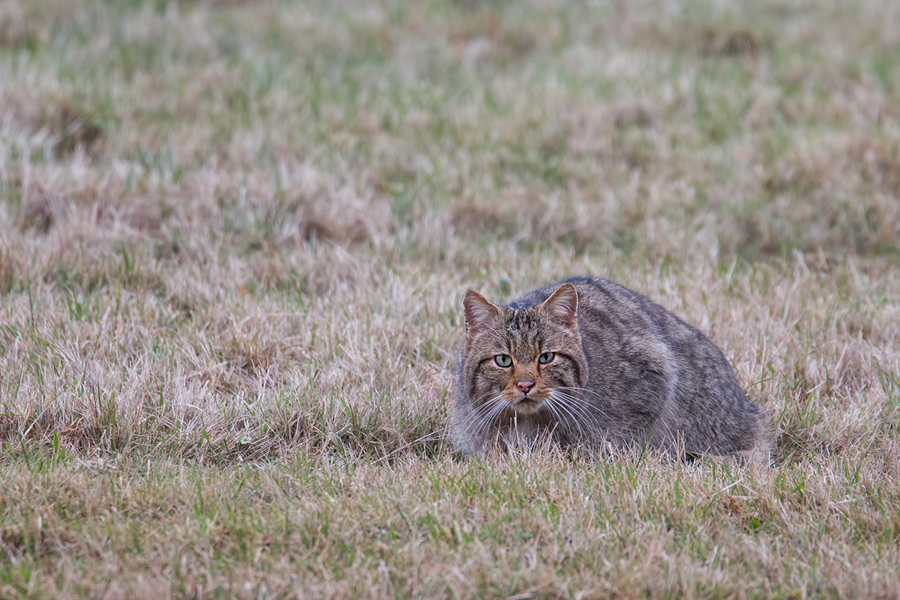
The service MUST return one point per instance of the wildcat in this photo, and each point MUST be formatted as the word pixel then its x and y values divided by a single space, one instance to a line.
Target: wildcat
pixel 589 362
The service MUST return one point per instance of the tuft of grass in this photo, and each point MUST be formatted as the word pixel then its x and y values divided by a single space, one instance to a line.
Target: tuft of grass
pixel 234 240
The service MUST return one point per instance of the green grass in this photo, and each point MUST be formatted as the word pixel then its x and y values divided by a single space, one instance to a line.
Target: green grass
pixel 234 242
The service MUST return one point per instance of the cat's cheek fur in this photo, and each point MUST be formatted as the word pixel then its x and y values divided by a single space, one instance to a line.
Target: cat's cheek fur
pixel 478 375
pixel 566 371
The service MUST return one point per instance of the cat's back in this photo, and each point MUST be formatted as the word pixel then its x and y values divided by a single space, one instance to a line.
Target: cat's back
pixel 614 318
pixel 609 303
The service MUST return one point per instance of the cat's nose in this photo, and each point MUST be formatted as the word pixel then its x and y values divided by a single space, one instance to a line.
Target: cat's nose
pixel 525 385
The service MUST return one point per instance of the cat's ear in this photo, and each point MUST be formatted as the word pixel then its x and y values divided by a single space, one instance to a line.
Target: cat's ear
pixel 562 306
pixel 479 313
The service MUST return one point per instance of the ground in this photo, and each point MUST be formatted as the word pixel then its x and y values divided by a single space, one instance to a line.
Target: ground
pixel 234 242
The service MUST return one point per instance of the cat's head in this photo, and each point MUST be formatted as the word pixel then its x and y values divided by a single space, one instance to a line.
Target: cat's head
pixel 523 356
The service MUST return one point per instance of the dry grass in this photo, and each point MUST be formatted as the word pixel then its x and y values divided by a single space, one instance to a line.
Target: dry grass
pixel 234 240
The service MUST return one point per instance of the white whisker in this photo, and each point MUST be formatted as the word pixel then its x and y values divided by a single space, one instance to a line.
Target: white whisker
pixel 479 411
pixel 488 419
pixel 583 401
pixel 556 415
pixel 564 408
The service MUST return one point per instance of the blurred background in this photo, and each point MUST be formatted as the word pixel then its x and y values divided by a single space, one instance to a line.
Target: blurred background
pixel 650 129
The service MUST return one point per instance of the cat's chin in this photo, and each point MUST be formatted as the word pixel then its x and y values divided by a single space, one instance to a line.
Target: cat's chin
pixel 527 406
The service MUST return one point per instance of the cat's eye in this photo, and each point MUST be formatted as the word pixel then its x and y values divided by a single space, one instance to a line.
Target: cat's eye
pixel 503 360
pixel 546 357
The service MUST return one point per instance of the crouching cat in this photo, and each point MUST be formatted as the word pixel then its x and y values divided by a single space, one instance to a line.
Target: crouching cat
pixel 588 362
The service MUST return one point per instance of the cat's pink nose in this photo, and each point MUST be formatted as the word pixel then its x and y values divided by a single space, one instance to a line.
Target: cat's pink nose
pixel 525 385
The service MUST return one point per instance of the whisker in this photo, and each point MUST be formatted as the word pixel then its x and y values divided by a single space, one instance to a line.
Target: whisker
pixel 586 416
pixel 582 436
pixel 486 407
pixel 487 420
pixel 560 420
pixel 580 389
pixel 562 417
pixel 584 405
pixel 567 410
pixel 475 420
pixel 583 401
pixel 483 404
pixel 577 406
pixel 579 401
pixel 488 393
pixel 479 412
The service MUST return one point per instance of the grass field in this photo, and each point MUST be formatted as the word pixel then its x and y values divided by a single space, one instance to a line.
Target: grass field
pixel 234 241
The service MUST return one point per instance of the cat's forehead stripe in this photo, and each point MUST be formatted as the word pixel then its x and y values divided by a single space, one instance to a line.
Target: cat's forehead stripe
pixel 524 328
